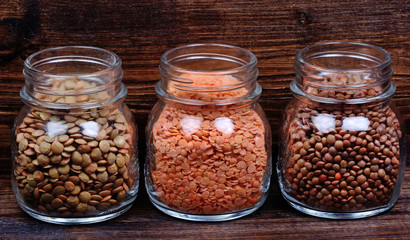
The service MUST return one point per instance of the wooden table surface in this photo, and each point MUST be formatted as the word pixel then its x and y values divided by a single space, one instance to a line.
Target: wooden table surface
pixel 139 32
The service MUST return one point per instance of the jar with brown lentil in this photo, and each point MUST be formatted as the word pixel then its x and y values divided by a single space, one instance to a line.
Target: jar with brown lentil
pixel 74 146
pixel 209 142
pixel 342 152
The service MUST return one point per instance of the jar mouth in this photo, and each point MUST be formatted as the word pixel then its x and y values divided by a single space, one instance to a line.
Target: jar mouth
pixel 343 70
pixel 369 57
pixel 236 55
pixel 72 76
pixel 106 59
pixel 207 73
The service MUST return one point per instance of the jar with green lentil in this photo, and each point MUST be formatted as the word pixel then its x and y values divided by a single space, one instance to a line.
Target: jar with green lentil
pixel 74 146
pixel 342 149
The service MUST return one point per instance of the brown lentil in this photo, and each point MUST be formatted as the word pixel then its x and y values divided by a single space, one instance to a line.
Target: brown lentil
pixel 361 173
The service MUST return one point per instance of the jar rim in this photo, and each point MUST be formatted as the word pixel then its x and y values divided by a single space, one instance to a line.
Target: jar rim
pixel 46 68
pixel 344 70
pixel 28 65
pixel 252 61
pixel 302 60
pixel 189 71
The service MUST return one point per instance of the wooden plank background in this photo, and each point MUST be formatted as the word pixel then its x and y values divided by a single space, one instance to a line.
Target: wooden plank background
pixel 141 31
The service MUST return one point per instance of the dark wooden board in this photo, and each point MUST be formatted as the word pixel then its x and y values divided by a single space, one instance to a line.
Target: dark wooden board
pixel 140 32
pixel 274 220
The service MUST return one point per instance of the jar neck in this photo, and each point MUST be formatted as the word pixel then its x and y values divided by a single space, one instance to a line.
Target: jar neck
pixel 343 72
pixel 73 77
pixel 208 74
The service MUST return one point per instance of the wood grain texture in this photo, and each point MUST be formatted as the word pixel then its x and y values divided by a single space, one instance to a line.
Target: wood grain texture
pixel 275 220
pixel 140 32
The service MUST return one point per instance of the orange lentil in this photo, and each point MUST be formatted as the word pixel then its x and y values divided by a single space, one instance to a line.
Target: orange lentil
pixel 204 181
pixel 211 159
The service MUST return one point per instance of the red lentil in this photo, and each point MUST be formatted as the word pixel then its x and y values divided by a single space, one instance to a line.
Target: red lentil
pixel 208 159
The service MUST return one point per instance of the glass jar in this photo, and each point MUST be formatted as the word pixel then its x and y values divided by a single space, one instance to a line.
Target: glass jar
pixel 208 140
pixel 74 143
pixel 342 148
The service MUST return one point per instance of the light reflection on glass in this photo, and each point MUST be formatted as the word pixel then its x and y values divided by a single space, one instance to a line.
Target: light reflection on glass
pixel 55 128
pixel 224 125
pixel 191 124
pixel 356 123
pixel 324 121
pixel 91 128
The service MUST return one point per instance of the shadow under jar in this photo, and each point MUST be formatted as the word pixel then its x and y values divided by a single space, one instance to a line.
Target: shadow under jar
pixel 209 142
pixel 74 143
pixel 342 148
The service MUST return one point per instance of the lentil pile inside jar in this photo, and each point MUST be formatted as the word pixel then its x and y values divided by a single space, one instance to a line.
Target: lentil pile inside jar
pixel 208 139
pixel 341 157
pixel 74 162
pixel 79 161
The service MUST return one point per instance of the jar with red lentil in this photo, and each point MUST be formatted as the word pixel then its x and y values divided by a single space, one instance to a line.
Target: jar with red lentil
pixel 343 151
pixel 209 141
pixel 74 146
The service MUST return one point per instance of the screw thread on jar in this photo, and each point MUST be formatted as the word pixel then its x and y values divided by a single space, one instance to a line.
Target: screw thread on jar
pixel 345 72
pixel 208 74
pixel 72 77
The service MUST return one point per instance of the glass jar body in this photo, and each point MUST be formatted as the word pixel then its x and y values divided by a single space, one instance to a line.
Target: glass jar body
pixel 208 141
pixel 342 148
pixel 208 163
pixel 73 168
pixel 74 155
pixel 354 169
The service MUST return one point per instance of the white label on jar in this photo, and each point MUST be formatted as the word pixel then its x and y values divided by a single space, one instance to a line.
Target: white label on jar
pixel 224 125
pixel 324 121
pixel 191 124
pixel 91 128
pixel 55 128
pixel 356 123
